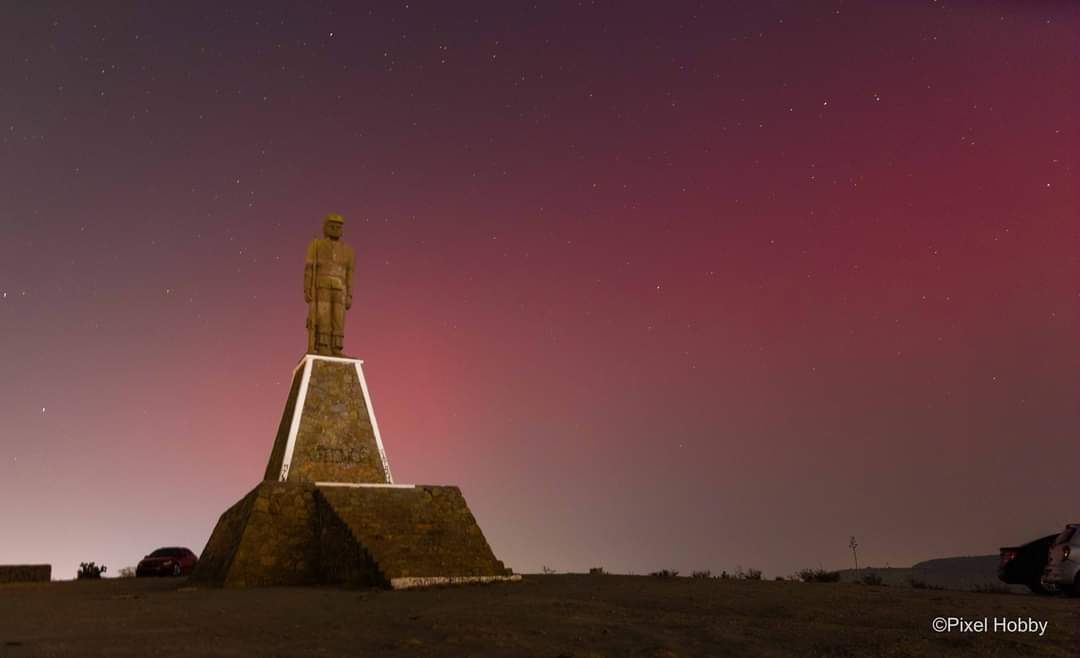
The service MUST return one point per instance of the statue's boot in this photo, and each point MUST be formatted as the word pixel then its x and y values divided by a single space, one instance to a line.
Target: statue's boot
pixel 322 344
pixel 338 345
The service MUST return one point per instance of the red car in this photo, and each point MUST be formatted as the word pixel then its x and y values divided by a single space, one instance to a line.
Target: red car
pixel 170 561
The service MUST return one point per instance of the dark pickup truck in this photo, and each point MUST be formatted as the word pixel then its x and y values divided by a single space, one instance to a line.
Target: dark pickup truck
pixel 1023 565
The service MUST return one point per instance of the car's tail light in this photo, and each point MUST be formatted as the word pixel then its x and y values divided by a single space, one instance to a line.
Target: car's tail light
pixel 1008 556
pixel 1065 552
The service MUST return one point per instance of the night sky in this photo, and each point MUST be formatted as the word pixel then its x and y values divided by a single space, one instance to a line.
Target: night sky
pixel 673 285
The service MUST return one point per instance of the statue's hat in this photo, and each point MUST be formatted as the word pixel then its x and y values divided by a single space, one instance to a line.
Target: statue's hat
pixel 334 217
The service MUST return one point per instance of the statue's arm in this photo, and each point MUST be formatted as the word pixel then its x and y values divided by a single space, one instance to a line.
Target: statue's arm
pixel 309 271
pixel 348 279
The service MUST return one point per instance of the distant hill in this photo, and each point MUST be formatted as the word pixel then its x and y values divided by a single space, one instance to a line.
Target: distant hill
pixel 957 573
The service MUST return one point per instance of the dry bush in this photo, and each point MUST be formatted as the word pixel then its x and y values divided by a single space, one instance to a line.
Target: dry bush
pixel 819 576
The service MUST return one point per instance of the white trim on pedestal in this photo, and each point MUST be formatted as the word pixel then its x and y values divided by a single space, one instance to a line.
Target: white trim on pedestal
pixel 298 412
pixel 434 581
pixel 374 424
pixel 323 357
pixel 365 484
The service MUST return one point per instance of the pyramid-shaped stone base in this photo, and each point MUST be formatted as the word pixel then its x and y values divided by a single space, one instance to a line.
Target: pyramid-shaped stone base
pixel 399 536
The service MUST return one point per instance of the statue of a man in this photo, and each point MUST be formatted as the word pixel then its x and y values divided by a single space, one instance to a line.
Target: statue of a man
pixel 328 271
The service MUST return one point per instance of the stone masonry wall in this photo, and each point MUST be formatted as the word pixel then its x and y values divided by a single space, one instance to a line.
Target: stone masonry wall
pixel 277 453
pixel 268 538
pixel 217 556
pixel 25 573
pixel 290 533
pixel 415 532
pixel 342 561
pixel 278 545
pixel 336 440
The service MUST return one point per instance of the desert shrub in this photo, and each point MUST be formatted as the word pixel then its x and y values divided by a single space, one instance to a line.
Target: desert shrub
pixel 90 570
pixel 871 578
pixel 701 574
pixel 665 573
pixel 597 571
pixel 546 569
pixel 749 574
pixel 724 575
pixel 779 578
pixel 991 588
pixel 922 584
pixel 127 572
pixel 819 576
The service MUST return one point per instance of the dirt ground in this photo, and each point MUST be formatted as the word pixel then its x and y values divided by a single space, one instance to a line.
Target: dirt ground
pixel 552 615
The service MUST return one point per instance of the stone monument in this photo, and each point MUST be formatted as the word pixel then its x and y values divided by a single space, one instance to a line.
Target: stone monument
pixel 328 509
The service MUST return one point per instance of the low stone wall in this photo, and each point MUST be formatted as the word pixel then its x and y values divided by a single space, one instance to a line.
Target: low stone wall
pixel 25 573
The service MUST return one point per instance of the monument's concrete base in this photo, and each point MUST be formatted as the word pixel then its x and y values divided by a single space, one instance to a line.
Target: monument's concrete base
pixel 399 536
